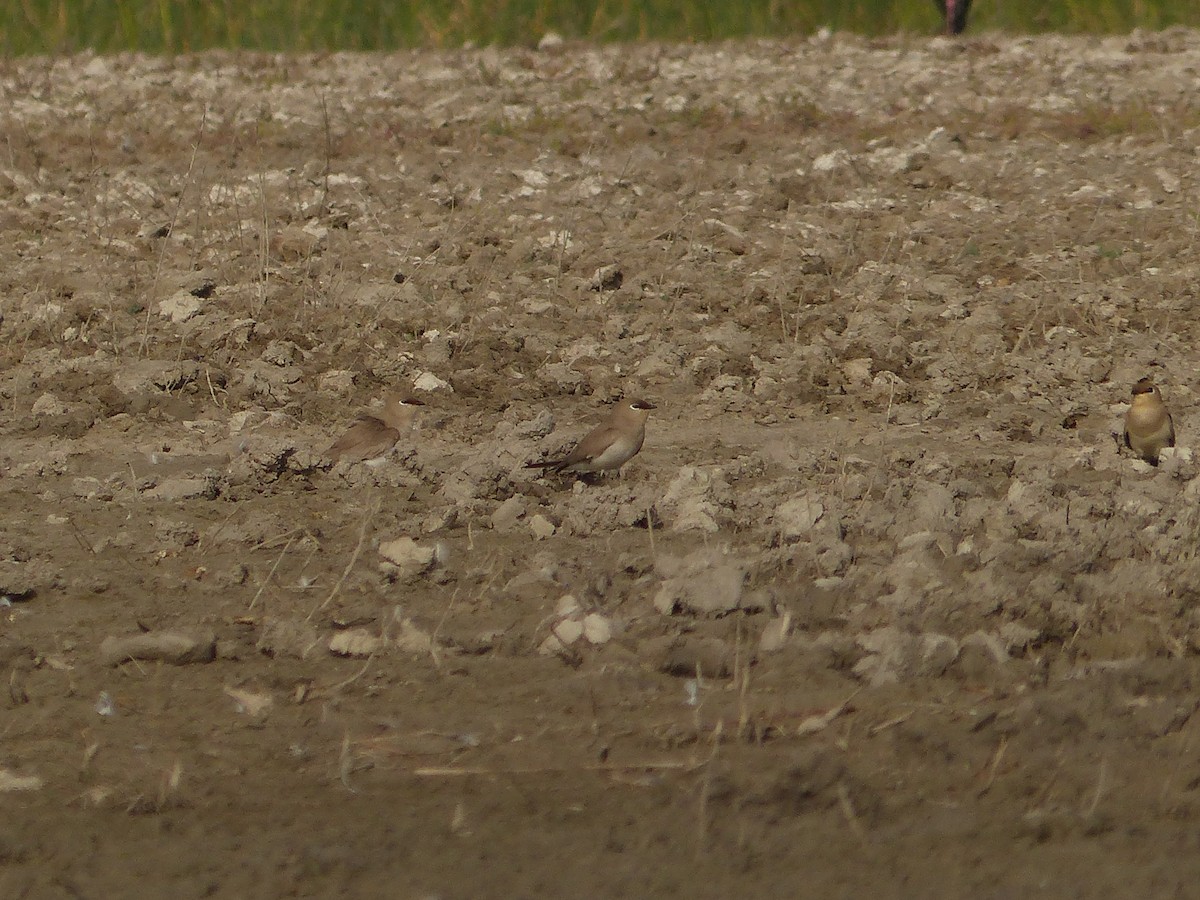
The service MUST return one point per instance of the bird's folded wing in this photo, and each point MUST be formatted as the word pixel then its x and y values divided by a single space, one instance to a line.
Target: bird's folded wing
pixel 365 439
pixel 594 444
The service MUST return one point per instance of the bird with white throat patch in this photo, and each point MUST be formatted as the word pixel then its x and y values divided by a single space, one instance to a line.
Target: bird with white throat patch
pixel 1148 424
pixel 609 445
pixel 372 436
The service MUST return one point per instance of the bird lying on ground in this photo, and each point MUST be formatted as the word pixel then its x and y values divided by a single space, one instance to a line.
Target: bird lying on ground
pixel 371 437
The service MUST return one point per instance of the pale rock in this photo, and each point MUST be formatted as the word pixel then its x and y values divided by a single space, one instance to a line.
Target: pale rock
pixel 405 558
pixel 97 67
pixel 702 582
pixel 828 162
pixel 10 781
pixel 1015 637
pixel 176 489
pixel 888 654
pixel 937 653
pixel 275 382
pixel 314 227
pixel 250 703
pixel 932 507
pixel 176 647
pixel 411 638
pixel 774 636
pixel 858 371
pixel 1178 462
pixel 48 405
pixel 694 514
pixel 606 278
pixel 1140 507
pixel 282 353
pixel 508 513
pixel 552 646
pixel 357 642
pixel 541 527
pixel 180 306
pixel 336 381
pixel 795 518
pixel 534 178
pixel 264 453
pixel 389 299
pixel 537 427
pixel 1169 180
pixel 564 376
pixel 694 499
pixel 294 243
pixel 248 420
pixel 567 605
pixel 438 519
pixel 291 637
pixel 597 629
pixel 894 654
pixel 568 631
pixel 429 382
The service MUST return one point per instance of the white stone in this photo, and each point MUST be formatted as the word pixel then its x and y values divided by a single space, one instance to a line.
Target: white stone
pixel 182 489
pixel 427 381
pixel 507 513
pixel 597 629
pixel 405 557
pixel 568 631
pixel 48 405
pixel 567 605
pixel 180 307
pixel 541 527
pixel 355 642
pixel 715 589
pixel 775 634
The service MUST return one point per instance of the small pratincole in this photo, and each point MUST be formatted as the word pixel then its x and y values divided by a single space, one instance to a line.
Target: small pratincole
pixel 954 12
pixel 609 445
pixel 371 437
pixel 1148 424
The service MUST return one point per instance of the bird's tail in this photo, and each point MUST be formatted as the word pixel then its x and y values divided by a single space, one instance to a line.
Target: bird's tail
pixel 553 464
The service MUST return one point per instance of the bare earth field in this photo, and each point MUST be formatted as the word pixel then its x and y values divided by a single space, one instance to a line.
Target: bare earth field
pixel 881 609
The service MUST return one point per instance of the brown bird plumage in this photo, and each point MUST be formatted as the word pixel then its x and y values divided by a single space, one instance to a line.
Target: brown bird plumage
pixel 372 436
pixel 609 445
pixel 1148 424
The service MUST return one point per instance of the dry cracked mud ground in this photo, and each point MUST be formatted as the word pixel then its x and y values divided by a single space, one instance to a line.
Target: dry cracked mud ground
pixel 881 608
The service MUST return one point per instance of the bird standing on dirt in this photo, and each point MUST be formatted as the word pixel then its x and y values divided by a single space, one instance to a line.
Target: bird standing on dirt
pixel 1148 424
pixel 372 436
pixel 955 14
pixel 609 445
